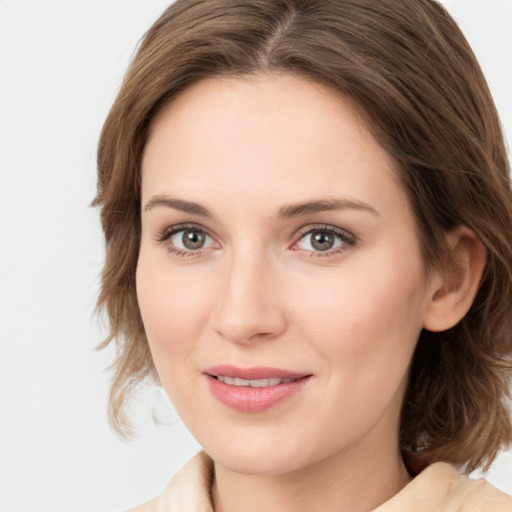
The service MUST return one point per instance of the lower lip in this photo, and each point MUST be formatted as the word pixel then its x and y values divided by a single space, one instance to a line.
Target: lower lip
pixel 247 399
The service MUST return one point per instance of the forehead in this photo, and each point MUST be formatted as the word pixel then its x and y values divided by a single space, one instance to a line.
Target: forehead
pixel 288 105
pixel 276 135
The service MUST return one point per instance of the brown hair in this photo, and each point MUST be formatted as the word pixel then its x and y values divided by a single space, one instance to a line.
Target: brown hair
pixel 412 74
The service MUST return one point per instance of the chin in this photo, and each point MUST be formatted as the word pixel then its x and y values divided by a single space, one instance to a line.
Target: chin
pixel 265 457
pixel 257 464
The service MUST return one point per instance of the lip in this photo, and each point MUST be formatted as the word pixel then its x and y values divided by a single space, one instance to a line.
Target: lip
pixel 253 373
pixel 249 399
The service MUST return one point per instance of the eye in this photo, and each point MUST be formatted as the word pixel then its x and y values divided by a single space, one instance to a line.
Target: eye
pixel 320 241
pixel 185 239
pixel 190 239
pixel 324 239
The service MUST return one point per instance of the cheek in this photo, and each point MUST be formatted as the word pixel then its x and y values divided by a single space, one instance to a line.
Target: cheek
pixel 365 314
pixel 364 327
pixel 173 306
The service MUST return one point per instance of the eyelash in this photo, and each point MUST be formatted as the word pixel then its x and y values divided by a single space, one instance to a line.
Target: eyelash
pixel 346 238
pixel 167 233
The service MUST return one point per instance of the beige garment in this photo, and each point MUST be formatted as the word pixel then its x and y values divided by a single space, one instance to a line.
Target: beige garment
pixel 438 488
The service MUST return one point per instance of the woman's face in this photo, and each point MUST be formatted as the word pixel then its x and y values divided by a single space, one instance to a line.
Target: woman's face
pixel 279 279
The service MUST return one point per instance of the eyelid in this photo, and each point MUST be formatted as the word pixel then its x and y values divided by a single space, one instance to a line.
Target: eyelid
pixel 347 237
pixel 164 236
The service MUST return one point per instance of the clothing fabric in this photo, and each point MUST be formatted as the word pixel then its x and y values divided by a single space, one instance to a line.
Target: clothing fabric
pixel 438 488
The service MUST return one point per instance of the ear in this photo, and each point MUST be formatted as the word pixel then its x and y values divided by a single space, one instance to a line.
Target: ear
pixel 453 289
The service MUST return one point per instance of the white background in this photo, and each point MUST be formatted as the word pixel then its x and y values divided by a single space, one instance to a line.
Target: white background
pixel 61 63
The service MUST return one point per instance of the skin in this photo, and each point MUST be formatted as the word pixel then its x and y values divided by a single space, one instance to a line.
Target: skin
pixel 258 293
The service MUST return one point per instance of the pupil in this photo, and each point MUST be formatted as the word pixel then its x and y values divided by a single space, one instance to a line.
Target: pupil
pixel 193 239
pixel 322 241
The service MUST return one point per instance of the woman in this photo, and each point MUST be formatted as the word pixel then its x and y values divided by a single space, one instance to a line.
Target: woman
pixel 307 213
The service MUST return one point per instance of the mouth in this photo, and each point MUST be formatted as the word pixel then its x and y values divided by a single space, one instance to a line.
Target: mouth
pixel 255 376
pixel 256 389
pixel 254 383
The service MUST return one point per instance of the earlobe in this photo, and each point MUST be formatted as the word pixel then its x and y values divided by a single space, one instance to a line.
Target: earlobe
pixel 454 288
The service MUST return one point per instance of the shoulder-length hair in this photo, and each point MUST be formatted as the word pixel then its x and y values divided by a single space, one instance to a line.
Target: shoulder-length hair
pixel 416 82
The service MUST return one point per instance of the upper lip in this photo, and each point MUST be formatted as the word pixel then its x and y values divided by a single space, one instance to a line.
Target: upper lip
pixel 253 373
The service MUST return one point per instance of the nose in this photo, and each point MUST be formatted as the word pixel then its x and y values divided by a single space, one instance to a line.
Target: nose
pixel 249 306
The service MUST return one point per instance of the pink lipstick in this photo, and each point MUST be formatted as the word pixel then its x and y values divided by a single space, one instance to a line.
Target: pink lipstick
pixel 253 389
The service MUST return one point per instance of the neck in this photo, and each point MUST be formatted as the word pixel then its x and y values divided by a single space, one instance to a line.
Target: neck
pixel 337 483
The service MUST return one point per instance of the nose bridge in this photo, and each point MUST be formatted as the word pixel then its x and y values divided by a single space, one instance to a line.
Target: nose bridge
pixel 248 306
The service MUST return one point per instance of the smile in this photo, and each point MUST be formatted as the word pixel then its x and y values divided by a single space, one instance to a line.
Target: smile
pixel 253 383
pixel 253 390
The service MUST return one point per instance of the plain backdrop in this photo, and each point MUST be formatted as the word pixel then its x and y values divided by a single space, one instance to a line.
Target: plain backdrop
pixel 61 63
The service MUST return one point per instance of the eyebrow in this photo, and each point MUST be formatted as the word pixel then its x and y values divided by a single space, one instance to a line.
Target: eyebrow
pixel 322 205
pixel 285 212
pixel 178 204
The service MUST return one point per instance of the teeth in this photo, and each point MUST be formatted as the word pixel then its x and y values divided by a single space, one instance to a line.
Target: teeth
pixel 254 383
